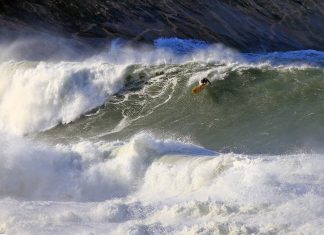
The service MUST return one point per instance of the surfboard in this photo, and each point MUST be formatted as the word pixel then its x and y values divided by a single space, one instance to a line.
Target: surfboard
pixel 198 88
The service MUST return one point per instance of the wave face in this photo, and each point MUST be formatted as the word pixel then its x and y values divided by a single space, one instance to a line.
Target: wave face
pixel 266 103
pixel 118 144
pixel 252 109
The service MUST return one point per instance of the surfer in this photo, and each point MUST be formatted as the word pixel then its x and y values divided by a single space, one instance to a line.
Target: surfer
pixel 204 81
pixel 202 84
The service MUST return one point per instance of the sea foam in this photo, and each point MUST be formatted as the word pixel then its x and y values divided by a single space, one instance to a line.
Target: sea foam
pixel 84 171
pixel 36 96
pixel 155 186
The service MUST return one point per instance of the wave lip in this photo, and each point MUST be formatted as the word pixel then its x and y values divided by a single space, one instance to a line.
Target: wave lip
pixel 36 96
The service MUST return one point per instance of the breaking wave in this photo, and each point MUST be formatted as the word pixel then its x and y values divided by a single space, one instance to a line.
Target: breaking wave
pixel 160 184
pixel 116 142
pixel 36 96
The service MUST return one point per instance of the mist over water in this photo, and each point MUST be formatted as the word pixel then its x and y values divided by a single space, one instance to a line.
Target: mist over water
pixel 115 142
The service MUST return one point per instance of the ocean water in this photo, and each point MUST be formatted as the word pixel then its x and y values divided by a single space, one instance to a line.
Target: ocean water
pixel 116 143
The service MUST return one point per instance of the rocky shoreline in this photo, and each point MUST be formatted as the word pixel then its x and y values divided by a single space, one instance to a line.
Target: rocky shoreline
pixel 246 25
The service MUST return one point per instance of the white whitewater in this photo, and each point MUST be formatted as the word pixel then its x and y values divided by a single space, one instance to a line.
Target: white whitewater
pixel 143 184
pixel 36 96
pixel 156 186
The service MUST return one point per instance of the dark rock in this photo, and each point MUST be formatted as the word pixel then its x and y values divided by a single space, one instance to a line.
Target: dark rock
pixel 247 25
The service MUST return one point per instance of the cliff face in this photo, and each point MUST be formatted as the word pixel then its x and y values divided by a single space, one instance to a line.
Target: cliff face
pixel 247 25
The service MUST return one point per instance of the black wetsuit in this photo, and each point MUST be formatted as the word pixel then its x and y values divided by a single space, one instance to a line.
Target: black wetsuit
pixel 204 81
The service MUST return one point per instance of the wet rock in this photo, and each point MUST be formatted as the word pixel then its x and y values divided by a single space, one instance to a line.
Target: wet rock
pixel 247 25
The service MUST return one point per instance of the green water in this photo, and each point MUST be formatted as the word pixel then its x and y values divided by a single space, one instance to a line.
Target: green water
pixel 246 110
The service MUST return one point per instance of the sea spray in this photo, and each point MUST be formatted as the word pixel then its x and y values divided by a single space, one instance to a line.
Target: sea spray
pixel 171 184
pixel 61 92
pixel 84 171
pixel 36 96
pixel 104 172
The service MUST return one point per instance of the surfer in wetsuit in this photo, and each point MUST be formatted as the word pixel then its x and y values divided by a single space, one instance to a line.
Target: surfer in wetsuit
pixel 202 84
pixel 204 81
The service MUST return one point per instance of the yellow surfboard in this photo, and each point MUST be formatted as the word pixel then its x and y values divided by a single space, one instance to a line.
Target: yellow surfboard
pixel 198 88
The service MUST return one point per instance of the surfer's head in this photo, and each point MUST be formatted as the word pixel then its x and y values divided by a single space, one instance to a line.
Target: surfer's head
pixel 204 81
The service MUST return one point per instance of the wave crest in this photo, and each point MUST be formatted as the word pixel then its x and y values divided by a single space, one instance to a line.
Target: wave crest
pixel 36 96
